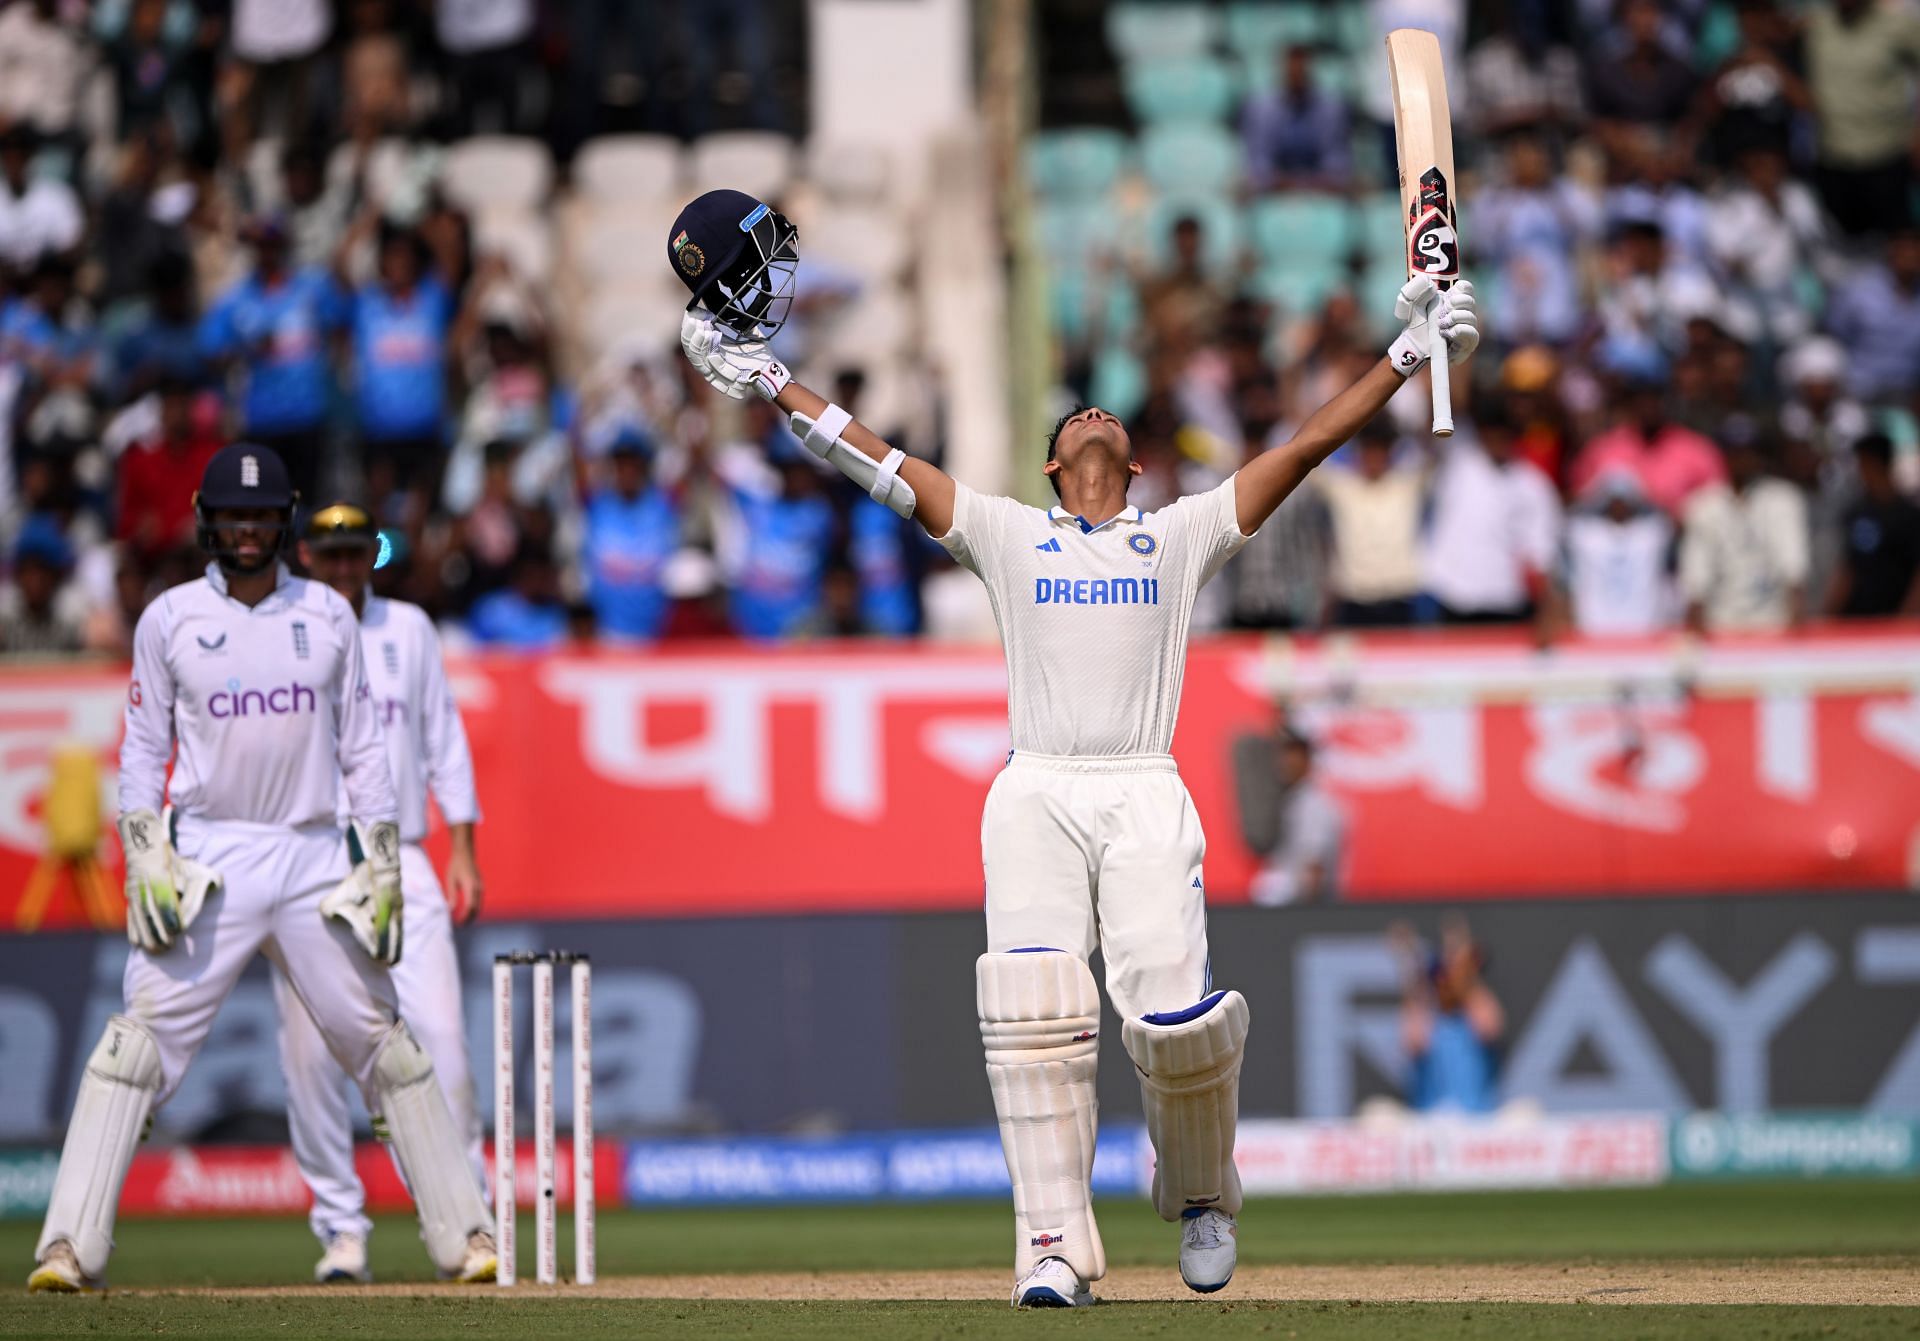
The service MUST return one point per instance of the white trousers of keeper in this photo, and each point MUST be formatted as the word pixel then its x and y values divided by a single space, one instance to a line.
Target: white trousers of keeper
pixel 1086 854
pixel 319 1101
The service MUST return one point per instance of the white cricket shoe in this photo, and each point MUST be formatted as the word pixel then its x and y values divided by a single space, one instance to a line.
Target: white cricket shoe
pixel 482 1263
pixel 1052 1284
pixel 1209 1246
pixel 59 1273
pixel 345 1260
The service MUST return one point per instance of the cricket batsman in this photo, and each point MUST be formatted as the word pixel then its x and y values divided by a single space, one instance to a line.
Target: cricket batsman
pixel 250 681
pixel 1089 839
pixel 426 750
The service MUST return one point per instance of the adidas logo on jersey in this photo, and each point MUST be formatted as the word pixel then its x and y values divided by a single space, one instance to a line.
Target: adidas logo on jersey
pixel 1051 547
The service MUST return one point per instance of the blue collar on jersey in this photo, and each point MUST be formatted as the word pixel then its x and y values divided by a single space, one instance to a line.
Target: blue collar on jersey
pixel 1126 514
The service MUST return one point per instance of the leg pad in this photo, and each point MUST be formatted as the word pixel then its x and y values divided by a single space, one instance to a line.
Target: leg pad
pixel 432 1152
pixel 1040 1023
pixel 1189 1065
pixel 109 1117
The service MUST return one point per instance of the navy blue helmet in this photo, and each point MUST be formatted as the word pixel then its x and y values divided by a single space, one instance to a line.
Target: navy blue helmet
pixel 738 258
pixel 243 476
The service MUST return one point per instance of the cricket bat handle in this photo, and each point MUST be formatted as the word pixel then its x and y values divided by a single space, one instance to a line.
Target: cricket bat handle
pixel 1442 380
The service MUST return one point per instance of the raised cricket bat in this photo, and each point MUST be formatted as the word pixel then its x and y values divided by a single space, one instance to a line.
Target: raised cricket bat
pixel 1423 130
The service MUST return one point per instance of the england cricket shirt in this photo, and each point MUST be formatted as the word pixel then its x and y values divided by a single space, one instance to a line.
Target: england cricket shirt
pixel 268 706
pixel 426 743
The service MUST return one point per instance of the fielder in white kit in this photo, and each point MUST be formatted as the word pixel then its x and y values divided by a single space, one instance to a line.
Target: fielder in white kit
pixel 251 682
pixel 426 750
pixel 1089 837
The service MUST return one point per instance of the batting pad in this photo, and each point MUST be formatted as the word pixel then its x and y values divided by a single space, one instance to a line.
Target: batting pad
pixel 109 1117
pixel 1189 1065
pixel 1040 1022
pixel 432 1151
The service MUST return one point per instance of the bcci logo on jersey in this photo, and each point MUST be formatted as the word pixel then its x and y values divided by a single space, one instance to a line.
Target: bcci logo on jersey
pixel 1096 591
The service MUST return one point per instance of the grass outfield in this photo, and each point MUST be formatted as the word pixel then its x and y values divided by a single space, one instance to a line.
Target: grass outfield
pixel 1618 1247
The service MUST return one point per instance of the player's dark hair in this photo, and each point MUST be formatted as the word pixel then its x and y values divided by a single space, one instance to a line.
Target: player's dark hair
pixel 1876 447
pixel 1053 439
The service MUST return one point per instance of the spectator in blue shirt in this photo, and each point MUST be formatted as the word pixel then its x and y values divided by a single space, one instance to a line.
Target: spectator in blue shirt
pixel 274 327
pixel 1451 1024
pixel 400 325
pixel 633 529
pixel 1877 317
pixel 161 343
pixel 779 572
pixel 1298 137
pixel 527 616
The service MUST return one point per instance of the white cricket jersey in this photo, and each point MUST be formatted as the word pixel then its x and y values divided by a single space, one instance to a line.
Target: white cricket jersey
pixel 1094 619
pixel 269 706
pixel 426 743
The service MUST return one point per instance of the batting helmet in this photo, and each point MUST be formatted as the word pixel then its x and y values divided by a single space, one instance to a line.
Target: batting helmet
pixel 738 258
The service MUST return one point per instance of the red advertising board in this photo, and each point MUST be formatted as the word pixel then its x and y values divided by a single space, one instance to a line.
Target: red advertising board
pixel 265 1180
pixel 732 780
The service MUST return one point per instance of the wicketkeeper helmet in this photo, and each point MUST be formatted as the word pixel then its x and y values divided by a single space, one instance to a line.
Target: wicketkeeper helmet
pixel 243 476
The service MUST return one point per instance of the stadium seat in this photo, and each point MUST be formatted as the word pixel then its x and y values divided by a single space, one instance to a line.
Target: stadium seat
pixel 1259 32
pixel 617 316
pixel 1302 228
pixel 759 162
pixel 497 170
pixel 1085 161
pixel 850 171
pixel 1069 301
pixel 629 167
pixel 1337 73
pixel 1119 382
pixel 521 236
pixel 1222 230
pixel 1161 31
pixel 1381 231
pixel 598 239
pixel 860 239
pixel 1076 232
pixel 881 318
pixel 1192 159
pixel 1300 290
pixel 1192 88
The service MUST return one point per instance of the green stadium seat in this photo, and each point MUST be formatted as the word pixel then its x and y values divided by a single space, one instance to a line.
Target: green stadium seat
pixel 1080 162
pixel 1193 88
pixel 1119 308
pixel 1381 230
pixel 1067 307
pixel 1119 382
pixel 1191 159
pixel 1161 31
pixel 1300 290
pixel 1222 230
pixel 1337 72
pixel 1074 232
pixel 1300 228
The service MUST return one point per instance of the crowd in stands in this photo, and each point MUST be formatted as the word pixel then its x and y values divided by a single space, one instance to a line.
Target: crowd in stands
pixel 242 223
pixel 1692 228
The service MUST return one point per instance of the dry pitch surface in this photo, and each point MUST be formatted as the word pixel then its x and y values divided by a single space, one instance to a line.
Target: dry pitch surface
pixel 1814 1281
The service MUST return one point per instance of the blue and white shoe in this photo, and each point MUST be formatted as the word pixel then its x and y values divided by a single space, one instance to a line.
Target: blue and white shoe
pixel 344 1262
pixel 1209 1246
pixel 1052 1284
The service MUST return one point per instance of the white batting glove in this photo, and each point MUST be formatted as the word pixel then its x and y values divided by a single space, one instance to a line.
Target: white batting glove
pixel 1421 303
pixel 732 366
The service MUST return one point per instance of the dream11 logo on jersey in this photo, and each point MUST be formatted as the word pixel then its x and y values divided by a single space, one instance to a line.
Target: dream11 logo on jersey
pixel 233 701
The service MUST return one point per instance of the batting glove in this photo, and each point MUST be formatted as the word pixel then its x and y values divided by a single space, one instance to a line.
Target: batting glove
pixel 165 891
pixel 368 902
pixel 732 366
pixel 1421 303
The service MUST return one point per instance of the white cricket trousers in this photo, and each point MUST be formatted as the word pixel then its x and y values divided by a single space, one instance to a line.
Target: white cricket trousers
pixel 1086 853
pixel 319 1114
pixel 272 881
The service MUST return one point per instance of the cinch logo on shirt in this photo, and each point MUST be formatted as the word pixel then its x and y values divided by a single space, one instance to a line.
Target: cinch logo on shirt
pixel 233 701
pixel 1096 591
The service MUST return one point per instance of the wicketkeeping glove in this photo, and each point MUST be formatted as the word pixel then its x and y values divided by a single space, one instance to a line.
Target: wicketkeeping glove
pixel 368 902
pixel 165 891
pixel 1421 302
pixel 732 366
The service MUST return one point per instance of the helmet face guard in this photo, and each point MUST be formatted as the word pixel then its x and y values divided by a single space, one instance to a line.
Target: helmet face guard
pixel 206 534
pixel 753 294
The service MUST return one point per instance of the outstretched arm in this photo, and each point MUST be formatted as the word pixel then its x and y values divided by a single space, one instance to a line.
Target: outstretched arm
pixel 737 368
pixel 932 486
pixel 1264 482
